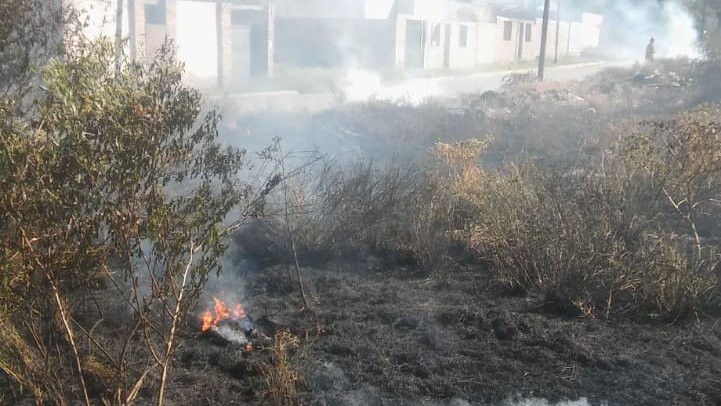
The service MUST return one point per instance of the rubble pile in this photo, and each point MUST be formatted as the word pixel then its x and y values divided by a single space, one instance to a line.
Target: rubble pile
pixel 640 89
pixel 523 97
pixel 644 89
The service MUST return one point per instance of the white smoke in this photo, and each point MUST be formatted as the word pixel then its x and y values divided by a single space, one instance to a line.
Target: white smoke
pixel 543 402
pixel 360 85
pixel 628 26
pixel 363 85
pixel 520 401
pixel 683 38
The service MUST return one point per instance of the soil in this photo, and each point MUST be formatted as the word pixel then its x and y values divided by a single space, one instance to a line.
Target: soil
pixel 394 336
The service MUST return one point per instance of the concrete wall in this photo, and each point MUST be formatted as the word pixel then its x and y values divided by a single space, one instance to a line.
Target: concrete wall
pixel 224 37
pixel 505 50
pixel 399 53
pixel 101 17
pixel 381 9
pixel 434 52
pixel 592 25
pixel 487 41
pixel 156 27
pixel 212 49
pixel 154 39
pixel 136 28
pixel 197 36
pixel 564 30
pixel 310 9
pixel 240 63
pixel 335 42
pixel 574 37
pixel 329 33
pixel 446 10
pixel 530 48
pixel 463 57
pixel 256 44
pixel 576 42
pixel 480 49
pixel 160 25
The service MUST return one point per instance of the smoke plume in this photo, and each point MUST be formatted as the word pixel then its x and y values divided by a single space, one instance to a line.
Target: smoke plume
pixel 628 26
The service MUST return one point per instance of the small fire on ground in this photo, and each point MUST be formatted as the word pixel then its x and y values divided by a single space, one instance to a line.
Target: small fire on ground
pixel 231 325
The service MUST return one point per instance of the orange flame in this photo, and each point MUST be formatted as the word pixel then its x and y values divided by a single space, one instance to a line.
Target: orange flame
pixel 238 312
pixel 208 320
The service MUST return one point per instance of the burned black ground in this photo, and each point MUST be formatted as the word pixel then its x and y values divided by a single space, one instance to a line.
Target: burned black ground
pixel 383 333
pixel 394 337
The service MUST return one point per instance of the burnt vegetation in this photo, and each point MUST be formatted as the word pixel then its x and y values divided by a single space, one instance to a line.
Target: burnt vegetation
pixel 548 240
pixel 592 194
pixel 549 231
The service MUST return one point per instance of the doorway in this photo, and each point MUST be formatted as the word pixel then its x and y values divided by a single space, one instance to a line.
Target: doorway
pixel 415 44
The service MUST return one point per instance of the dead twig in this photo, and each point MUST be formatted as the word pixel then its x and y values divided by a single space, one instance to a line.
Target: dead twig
pixel 170 344
pixel 294 251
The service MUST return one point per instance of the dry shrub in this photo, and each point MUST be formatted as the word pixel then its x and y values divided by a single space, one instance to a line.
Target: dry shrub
pixel 682 158
pixel 362 205
pixel 551 235
pixel 630 234
pixel 674 281
pixel 603 238
pixel 614 237
pixel 281 377
pixel 461 160
pixel 571 240
pixel 363 209
pixel 17 358
pixel 430 215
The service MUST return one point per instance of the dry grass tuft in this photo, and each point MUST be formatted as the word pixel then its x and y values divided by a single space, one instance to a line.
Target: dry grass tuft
pixel 281 376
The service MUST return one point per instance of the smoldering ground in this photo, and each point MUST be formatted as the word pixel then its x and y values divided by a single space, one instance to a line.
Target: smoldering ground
pixel 395 332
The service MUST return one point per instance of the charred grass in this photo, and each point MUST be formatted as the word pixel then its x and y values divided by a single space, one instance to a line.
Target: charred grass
pixel 573 252
pixel 557 242
pixel 389 338
pixel 632 235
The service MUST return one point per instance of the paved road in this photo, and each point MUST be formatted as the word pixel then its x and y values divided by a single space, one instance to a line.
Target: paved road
pixel 362 86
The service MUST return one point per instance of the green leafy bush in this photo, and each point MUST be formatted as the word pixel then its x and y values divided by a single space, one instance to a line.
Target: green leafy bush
pixel 115 186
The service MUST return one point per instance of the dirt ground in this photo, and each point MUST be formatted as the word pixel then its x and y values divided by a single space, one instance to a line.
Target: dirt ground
pixel 398 337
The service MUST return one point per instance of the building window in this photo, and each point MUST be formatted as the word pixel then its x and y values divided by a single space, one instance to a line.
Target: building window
pixel 528 32
pixel 463 36
pixel 155 14
pixel 436 34
pixel 507 30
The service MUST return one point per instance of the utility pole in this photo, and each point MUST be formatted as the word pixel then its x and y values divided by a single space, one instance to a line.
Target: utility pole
pixel 703 19
pixel 558 29
pixel 118 37
pixel 544 39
